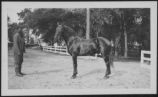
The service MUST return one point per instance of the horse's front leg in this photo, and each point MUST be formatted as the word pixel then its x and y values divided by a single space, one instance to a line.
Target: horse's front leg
pixel 74 58
pixel 107 62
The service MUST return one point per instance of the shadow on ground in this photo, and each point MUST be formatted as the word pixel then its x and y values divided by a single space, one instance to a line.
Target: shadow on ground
pixel 45 72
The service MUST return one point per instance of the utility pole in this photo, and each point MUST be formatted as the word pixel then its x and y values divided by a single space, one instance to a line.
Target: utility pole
pixel 125 35
pixel 88 25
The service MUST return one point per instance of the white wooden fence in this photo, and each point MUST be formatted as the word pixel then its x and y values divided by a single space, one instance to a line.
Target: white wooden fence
pixel 143 58
pixel 56 49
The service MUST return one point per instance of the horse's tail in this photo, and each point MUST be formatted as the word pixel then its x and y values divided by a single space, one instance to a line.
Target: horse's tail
pixel 111 58
pixel 112 51
pixel 109 44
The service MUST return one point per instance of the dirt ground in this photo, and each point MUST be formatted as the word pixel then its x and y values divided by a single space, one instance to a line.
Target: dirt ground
pixel 53 71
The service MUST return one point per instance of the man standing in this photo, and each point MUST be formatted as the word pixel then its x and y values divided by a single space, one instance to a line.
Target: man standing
pixel 19 49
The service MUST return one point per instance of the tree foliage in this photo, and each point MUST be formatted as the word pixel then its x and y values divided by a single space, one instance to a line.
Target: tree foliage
pixel 45 20
pixel 111 23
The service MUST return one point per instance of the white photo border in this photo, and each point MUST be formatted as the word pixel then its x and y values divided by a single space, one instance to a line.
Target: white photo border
pixel 102 4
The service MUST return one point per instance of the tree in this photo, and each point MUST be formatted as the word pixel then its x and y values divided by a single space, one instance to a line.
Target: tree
pixel 122 25
pixel 88 24
pixel 25 18
pixel 106 23
pixel 118 24
pixel 76 19
pixel 44 20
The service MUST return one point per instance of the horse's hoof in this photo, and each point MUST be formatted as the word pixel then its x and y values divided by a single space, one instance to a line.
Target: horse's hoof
pixel 22 73
pixel 19 75
pixel 73 77
pixel 106 77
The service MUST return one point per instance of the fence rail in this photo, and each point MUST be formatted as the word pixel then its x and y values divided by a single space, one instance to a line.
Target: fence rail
pixel 56 49
pixel 143 58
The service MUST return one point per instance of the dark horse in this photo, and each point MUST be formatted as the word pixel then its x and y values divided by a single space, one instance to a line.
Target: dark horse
pixel 81 47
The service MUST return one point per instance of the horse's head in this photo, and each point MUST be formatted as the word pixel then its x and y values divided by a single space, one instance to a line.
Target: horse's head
pixel 63 32
pixel 58 33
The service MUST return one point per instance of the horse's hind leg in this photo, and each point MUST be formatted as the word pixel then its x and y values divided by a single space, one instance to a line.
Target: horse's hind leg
pixel 107 62
pixel 74 58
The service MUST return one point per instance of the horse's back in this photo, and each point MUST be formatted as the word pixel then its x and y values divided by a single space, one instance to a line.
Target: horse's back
pixel 84 46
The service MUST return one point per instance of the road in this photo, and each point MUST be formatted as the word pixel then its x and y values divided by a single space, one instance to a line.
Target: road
pixel 53 71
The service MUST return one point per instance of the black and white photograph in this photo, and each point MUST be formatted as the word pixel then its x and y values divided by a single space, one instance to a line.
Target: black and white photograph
pixel 75 48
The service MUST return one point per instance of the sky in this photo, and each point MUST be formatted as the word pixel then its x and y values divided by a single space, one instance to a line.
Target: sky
pixel 12 13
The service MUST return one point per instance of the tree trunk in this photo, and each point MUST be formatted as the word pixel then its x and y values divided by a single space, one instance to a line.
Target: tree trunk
pixel 88 24
pixel 117 40
pixel 27 37
pixel 126 48
pixel 116 53
pixel 125 35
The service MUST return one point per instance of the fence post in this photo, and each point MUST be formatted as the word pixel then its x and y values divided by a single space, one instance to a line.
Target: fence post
pixel 96 56
pixel 55 48
pixel 60 49
pixel 142 57
pixel 44 48
pixel 66 50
